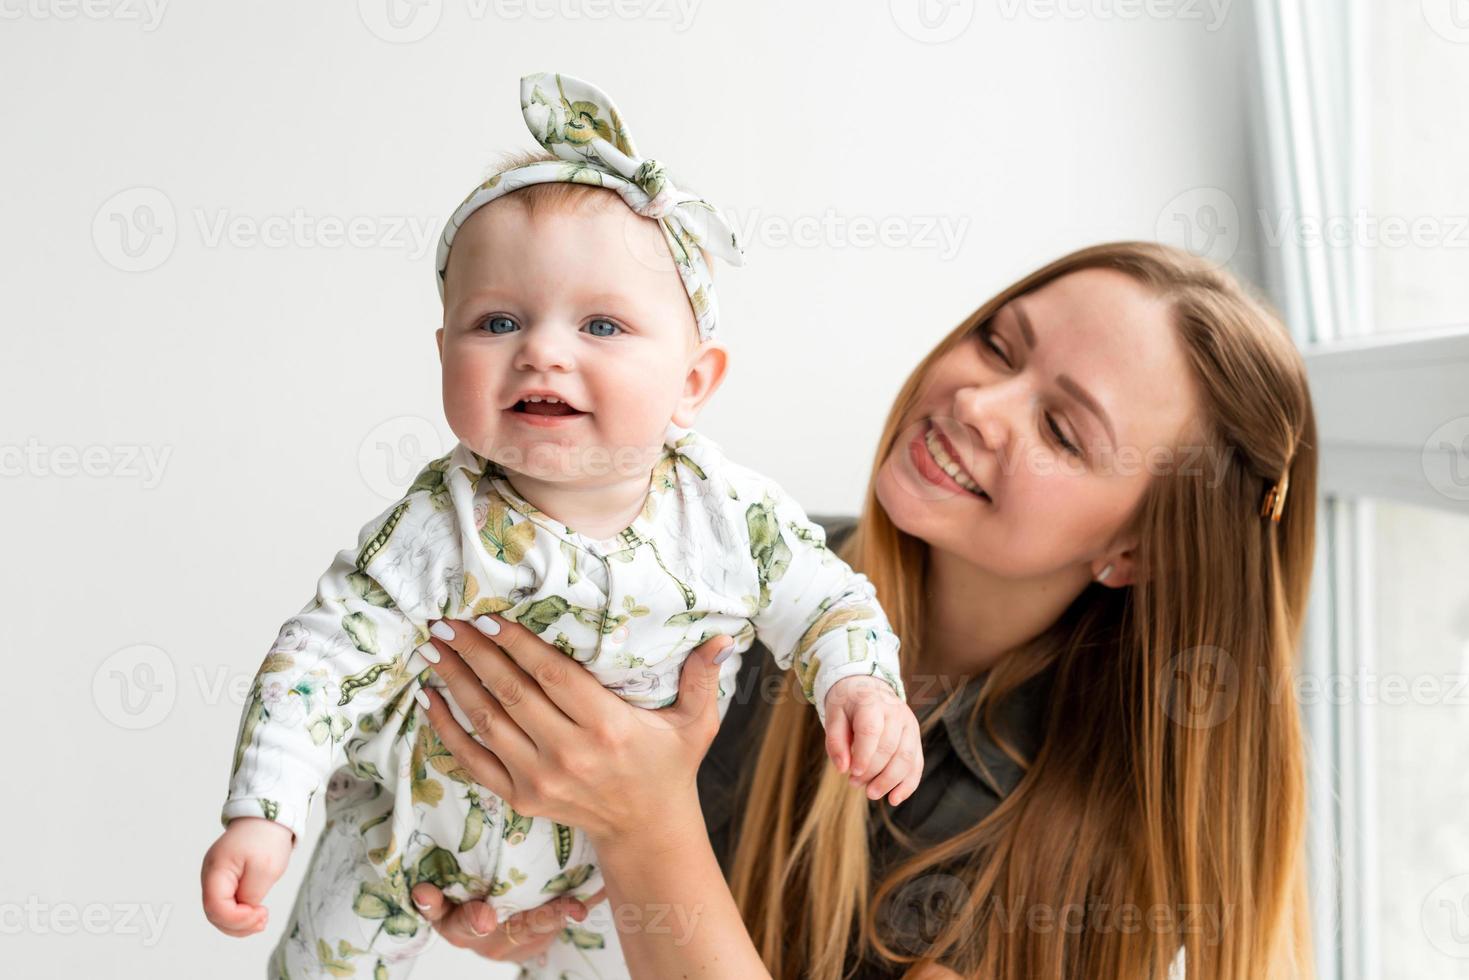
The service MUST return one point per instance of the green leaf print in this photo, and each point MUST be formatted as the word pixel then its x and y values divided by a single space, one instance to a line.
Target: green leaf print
pixel 379 900
pixel 573 557
pixel 771 553
pixel 517 825
pixel 582 938
pixel 438 867
pixel 540 615
pixel 685 618
pixel 366 588
pixel 323 726
pixel 503 538
pixel 567 880
pixel 330 963
pixel 363 631
pixel 254 715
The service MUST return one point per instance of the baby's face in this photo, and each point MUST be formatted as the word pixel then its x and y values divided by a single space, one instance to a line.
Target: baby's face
pixel 582 305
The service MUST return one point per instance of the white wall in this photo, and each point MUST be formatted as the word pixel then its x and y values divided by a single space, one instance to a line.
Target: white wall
pixel 272 378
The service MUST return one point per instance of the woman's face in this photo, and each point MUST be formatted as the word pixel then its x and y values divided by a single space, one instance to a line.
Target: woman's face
pixel 1054 416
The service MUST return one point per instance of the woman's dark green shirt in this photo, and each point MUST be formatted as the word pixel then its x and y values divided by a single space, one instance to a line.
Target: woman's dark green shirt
pixel 960 785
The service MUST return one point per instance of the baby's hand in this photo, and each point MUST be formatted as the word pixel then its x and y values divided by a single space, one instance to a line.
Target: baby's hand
pixel 249 857
pixel 873 735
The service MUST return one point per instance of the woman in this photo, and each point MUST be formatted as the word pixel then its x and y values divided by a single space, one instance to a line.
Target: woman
pixel 1065 526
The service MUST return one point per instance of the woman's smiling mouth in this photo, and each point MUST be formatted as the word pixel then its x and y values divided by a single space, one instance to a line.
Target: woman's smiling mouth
pixel 934 462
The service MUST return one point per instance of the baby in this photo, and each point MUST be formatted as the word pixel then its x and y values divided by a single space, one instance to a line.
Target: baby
pixel 577 503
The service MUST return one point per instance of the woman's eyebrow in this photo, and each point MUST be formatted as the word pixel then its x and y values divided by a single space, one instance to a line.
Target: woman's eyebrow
pixel 1064 381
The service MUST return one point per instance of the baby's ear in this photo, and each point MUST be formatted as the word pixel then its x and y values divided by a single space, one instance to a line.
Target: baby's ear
pixel 707 368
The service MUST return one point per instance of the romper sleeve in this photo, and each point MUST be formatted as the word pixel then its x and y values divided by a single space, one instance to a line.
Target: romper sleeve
pixel 344 655
pixel 815 612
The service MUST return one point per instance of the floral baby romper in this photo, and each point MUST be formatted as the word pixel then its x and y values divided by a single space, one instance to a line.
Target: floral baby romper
pixel 717 549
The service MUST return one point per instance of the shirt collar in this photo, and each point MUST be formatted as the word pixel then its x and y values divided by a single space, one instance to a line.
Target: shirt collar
pixel 1018 720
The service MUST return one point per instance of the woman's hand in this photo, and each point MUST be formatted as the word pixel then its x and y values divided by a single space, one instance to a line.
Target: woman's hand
pixel 472 926
pixel 559 745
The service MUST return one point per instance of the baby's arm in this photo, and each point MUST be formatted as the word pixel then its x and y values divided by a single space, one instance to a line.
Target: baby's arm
pixel 822 618
pixel 333 663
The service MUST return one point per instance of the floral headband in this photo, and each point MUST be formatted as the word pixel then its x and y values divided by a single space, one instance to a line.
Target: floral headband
pixel 577 122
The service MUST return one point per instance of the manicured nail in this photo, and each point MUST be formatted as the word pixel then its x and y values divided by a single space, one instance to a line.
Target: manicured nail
pixel 421 905
pixel 430 653
pixel 486 625
pixel 723 655
pixel 442 630
pixel 421 698
pixel 476 926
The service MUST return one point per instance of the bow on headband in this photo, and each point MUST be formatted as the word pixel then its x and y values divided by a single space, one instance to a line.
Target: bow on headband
pixel 577 122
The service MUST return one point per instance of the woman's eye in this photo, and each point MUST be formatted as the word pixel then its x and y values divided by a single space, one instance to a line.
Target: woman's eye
pixel 1065 443
pixel 603 328
pixel 499 324
pixel 986 335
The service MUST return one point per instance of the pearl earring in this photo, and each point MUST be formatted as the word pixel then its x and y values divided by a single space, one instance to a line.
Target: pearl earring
pixel 1102 575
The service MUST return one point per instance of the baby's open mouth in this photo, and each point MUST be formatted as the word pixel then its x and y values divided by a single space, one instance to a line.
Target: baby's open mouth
pixel 543 406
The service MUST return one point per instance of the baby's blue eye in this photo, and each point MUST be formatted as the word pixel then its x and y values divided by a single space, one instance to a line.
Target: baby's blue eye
pixel 500 324
pixel 603 328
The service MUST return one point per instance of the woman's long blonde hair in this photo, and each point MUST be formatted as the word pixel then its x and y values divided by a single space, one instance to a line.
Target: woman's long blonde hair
pixel 1142 824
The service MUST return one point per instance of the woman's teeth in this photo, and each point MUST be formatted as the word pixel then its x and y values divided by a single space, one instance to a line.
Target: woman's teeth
pixel 948 464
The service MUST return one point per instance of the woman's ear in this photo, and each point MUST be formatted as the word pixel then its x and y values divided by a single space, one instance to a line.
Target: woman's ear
pixel 1118 567
pixel 439 340
pixel 707 368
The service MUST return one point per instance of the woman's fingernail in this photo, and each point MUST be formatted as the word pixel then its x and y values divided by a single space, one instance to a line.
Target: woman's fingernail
pixel 442 630
pixel 421 904
pixel 723 655
pixel 430 653
pixel 486 625
pixel 477 925
pixel 421 698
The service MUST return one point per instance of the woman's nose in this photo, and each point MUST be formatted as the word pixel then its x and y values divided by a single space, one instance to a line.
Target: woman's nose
pixel 987 411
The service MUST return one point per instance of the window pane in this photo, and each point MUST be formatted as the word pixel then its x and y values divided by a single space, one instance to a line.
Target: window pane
pixel 1414 703
pixel 1416 237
